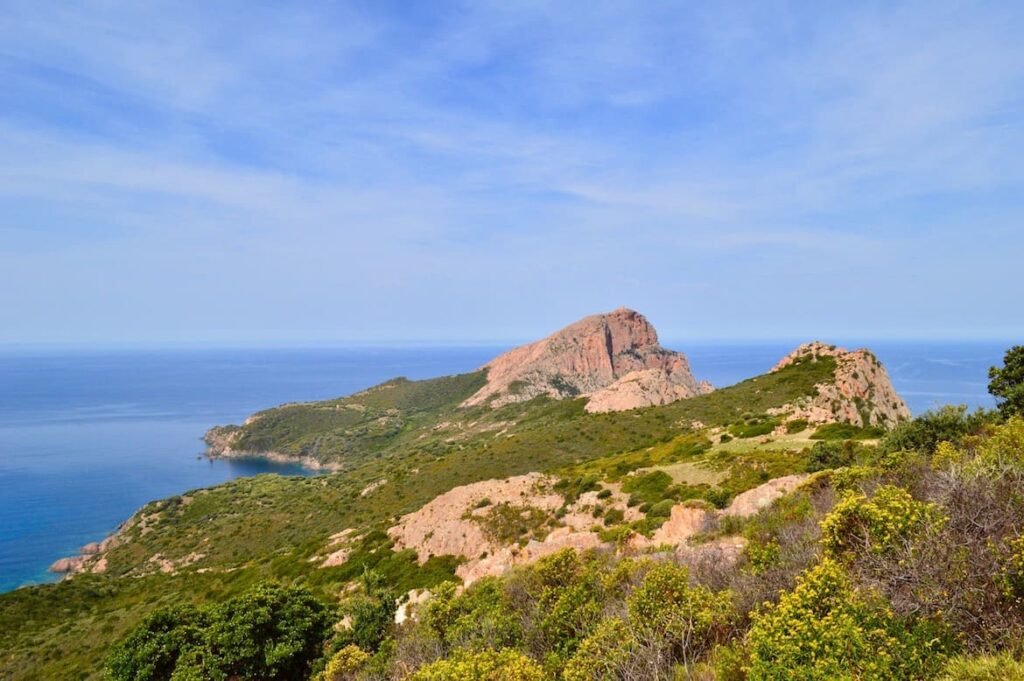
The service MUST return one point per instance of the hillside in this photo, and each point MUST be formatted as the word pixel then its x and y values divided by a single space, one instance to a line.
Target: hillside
pixel 606 480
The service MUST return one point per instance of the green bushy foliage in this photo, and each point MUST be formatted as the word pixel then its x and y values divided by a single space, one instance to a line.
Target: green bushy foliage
pixel 666 606
pixel 372 613
pixel 924 433
pixel 602 655
pixel 1006 383
pixel 485 665
pixel 796 426
pixel 481 617
pixel 269 632
pixel 824 629
pixel 889 518
pixel 829 454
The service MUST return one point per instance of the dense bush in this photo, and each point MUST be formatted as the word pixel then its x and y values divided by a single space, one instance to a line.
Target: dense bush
pixel 924 433
pixel 1007 382
pixel 826 629
pixel 889 519
pixel 269 632
pixel 486 665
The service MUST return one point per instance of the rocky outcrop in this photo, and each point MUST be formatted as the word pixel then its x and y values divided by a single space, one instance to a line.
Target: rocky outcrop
pixel 750 502
pixel 860 393
pixel 450 524
pixel 91 558
pixel 222 443
pixel 614 358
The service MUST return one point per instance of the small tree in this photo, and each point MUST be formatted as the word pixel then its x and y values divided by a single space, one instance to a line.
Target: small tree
pixel 1006 384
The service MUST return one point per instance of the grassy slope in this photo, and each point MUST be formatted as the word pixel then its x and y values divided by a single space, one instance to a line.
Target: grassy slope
pixel 270 525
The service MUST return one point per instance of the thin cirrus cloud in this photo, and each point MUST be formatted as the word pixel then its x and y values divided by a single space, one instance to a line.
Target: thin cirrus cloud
pixel 255 172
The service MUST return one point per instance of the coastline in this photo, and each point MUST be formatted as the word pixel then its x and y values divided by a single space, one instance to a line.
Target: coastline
pixel 277 457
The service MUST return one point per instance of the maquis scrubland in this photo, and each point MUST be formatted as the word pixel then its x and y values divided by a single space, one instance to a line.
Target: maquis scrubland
pixel 579 508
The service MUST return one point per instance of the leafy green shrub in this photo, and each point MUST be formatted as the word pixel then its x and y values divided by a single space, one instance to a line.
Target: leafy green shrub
pixel 485 665
pixel 754 426
pixel 650 487
pixel 924 433
pixel 1007 382
pixel 604 494
pixel 889 518
pixel 602 655
pixel 614 516
pixel 662 509
pixel 829 454
pixel 479 617
pixel 151 651
pixel 665 605
pixel 825 629
pixel 725 438
pixel 268 632
pixel 796 426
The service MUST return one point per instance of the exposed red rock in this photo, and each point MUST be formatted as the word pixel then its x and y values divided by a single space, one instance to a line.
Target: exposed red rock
pixel 861 393
pixel 614 358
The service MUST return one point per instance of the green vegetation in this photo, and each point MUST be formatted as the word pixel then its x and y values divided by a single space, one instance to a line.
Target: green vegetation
pixel 269 632
pixel 846 431
pixel 860 556
pixel 1006 383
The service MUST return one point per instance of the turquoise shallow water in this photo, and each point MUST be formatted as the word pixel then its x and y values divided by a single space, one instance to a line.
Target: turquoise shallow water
pixel 86 438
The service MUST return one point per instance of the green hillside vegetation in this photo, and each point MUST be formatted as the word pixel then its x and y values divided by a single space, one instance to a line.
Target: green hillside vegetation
pixel 403 443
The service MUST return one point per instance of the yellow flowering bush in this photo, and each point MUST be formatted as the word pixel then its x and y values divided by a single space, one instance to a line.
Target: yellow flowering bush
pixel 1013 571
pixel 825 629
pixel 487 665
pixel 345 664
pixel 665 604
pixel 889 518
pixel 602 654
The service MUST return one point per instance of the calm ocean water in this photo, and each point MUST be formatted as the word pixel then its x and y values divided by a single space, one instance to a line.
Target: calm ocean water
pixel 87 438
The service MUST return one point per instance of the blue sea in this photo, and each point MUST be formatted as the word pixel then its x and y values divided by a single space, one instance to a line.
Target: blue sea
pixel 88 437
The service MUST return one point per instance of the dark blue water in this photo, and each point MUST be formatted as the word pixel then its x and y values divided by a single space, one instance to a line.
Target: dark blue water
pixel 87 438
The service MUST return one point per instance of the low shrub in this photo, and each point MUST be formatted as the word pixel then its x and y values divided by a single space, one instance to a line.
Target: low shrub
pixel 888 519
pixel 826 629
pixel 486 665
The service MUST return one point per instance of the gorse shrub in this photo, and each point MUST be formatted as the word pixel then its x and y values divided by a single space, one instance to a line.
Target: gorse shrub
pixel 1012 576
pixel 345 664
pixel 603 654
pixel 890 518
pixel 825 629
pixel 486 665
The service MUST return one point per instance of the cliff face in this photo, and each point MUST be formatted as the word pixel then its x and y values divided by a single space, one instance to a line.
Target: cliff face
pixel 861 393
pixel 613 358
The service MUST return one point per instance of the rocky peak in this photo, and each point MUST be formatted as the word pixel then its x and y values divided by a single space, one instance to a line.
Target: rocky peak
pixel 861 392
pixel 614 359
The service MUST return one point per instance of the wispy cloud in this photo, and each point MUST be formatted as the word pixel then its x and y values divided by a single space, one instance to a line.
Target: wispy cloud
pixel 255 170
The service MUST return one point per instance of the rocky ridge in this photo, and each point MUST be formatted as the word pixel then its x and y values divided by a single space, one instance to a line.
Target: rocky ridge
pixel 614 359
pixel 454 523
pixel 861 393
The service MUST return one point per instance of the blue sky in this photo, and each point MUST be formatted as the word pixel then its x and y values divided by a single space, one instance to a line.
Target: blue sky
pixel 429 171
